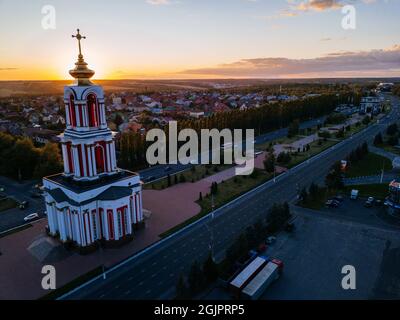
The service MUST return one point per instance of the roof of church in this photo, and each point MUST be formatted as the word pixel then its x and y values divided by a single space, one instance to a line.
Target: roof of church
pixel 112 193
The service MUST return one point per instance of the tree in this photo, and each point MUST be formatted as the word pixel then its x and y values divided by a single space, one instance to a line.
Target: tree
pixel 378 140
pixel 284 157
pixel 182 290
pixel 196 278
pixel 393 140
pixel 49 161
pixel 313 191
pixel 269 162
pixel 304 195
pixel 366 120
pixel 118 120
pixel 277 216
pixel 23 158
pixel 293 128
pixel 333 180
pixel 214 188
pixel 210 269
pixel 392 129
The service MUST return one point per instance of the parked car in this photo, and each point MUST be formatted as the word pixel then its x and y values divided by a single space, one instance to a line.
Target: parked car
pixel 338 198
pixel 378 203
pixel 354 194
pixel 31 216
pixel 369 203
pixel 331 203
pixel 270 240
pixel 23 205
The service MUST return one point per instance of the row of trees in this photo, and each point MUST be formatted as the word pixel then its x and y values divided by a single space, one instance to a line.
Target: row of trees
pixel 132 146
pixel 20 159
pixel 202 275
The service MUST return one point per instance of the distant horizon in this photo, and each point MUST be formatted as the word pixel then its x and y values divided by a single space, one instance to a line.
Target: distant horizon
pixel 208 79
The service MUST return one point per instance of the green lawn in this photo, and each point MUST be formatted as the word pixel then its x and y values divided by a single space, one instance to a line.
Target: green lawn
pixel 372 164
pixel 7 203
pixel 315 149
pixel 379 191
pixel 286 140
pixel 192 175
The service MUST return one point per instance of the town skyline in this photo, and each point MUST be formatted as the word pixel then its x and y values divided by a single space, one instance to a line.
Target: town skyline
pixel 152 40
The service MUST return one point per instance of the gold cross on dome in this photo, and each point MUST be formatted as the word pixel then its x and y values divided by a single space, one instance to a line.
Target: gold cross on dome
pixel 79 37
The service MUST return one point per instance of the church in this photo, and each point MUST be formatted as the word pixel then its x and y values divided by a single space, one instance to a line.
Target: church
pixel 92 200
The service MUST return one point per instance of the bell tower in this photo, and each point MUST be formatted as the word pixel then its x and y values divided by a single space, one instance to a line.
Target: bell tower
pixel 87 143
pixel 92 202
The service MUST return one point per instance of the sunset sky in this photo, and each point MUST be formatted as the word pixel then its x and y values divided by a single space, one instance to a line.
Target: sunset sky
pixel 129 39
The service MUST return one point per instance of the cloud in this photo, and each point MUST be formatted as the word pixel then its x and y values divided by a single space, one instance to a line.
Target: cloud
pixel 354 63
pixel 8 69
pixel 158 2
pixel 318 5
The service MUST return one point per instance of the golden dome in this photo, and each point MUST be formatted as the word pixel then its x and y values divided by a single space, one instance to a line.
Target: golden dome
pixel 81 72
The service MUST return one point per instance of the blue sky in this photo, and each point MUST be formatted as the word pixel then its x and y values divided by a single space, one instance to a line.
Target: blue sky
pixel 198 38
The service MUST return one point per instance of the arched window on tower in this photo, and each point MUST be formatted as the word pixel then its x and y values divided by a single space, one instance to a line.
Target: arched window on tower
pixel 100 158
pixel 72 114
pixel 93 111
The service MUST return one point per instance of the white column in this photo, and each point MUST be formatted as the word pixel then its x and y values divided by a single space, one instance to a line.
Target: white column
pixel 67 215
pixel 50 218
pixel 75 158
pixel 113 157
pixel 65 158
pixel 132 207
pixel 129 220
pixel 116 229
pixel 67 119
pixel 77 229
pixel 108 156
pixel 61 224
pixel 78 119
pixel 93 160
pixel 87 227
pixel 89 156
pixel 102 113
pixel 140 206
pixel 82 221
pixel 106 227
pixel 83 148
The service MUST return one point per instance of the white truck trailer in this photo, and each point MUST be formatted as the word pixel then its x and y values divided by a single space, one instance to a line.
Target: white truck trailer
pixel 256 287
pixel 246 275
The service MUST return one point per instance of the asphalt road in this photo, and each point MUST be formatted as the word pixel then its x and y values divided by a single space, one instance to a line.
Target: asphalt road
pixel 153 273
pixel 20 192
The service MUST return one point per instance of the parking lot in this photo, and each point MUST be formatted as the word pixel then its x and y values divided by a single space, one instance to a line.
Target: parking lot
pixel 323 242
pixel 14 217
pixel 326 241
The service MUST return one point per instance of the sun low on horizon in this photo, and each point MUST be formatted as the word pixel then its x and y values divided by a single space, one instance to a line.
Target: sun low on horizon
pixel 188 40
